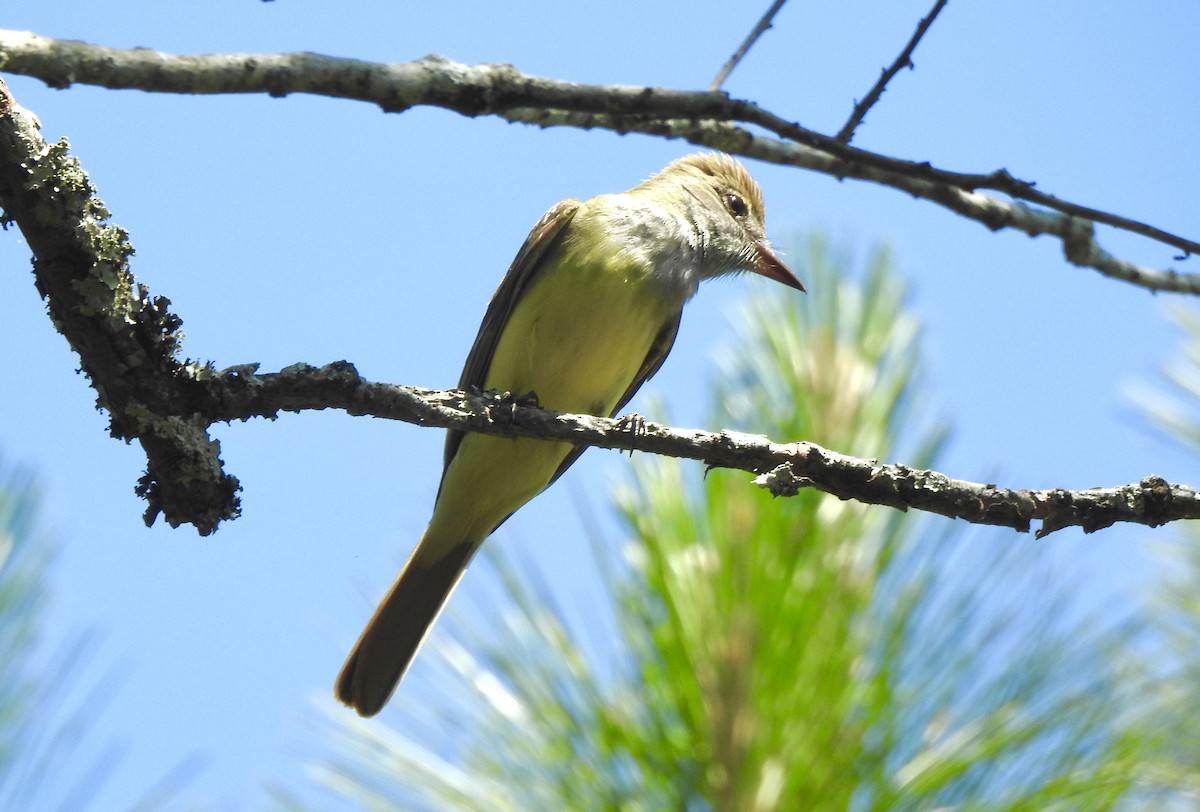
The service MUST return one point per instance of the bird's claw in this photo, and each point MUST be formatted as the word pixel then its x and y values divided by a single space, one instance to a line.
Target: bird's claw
pixel 504 405
pixel 634 425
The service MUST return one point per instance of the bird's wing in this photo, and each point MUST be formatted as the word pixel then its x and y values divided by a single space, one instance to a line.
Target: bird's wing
pixel 659 349
pixel 523 269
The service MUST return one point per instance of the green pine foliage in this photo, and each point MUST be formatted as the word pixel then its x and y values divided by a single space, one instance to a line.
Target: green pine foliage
pixel 1171 704
pixel 22 562
pixel 776 654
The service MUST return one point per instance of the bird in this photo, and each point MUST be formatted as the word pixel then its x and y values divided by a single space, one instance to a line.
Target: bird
pixel 586 314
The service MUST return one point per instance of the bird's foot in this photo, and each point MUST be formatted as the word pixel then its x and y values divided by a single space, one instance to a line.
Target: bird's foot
pixel 634 425
pixel 503 406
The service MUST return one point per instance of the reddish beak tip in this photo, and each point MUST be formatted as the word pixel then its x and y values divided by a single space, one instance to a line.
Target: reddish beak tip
pixel 768 265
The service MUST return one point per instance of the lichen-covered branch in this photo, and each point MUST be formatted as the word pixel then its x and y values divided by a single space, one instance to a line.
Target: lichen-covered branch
pixel 126 340
pixel 783 468
pixel 709 119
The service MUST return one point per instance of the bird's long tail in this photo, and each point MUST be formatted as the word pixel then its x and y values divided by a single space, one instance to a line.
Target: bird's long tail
pixel 400 623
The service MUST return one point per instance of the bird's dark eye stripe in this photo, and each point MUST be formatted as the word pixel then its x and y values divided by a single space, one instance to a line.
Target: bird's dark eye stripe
pixel 737 206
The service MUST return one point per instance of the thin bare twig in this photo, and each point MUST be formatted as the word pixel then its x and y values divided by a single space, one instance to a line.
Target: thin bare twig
pixel 746 45
pixel 702 118
pixel 903 61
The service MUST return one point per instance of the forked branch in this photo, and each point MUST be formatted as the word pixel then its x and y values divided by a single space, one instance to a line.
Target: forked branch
pixel 704 118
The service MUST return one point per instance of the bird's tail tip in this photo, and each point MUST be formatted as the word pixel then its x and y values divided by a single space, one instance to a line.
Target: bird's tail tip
pixel 400 625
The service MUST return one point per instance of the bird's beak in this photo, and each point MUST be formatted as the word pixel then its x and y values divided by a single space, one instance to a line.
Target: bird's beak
pixel 768 265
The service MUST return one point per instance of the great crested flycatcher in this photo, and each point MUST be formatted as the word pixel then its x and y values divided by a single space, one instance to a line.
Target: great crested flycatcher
pixel 585 315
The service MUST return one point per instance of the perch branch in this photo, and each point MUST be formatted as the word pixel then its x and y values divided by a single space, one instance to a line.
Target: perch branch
pixel 783 468
pixel 703 118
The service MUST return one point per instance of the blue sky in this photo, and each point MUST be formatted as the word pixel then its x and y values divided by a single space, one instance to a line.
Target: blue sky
pixel 315 230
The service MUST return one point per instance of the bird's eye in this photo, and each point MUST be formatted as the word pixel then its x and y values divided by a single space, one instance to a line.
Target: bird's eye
pixel 737 206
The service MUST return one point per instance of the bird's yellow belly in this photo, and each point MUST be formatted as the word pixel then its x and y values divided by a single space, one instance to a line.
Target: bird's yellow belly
pixel 578 345
pixel 578 349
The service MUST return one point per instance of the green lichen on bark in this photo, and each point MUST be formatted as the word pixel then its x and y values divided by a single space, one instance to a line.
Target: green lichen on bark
pixel 128 341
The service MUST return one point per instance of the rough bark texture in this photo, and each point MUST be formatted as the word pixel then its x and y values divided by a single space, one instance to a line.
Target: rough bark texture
pixel 127 342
